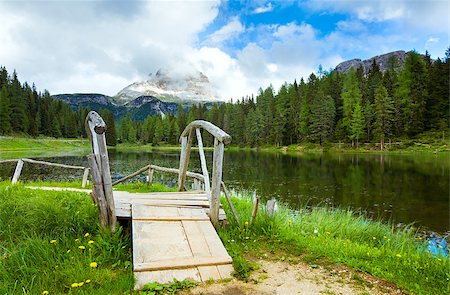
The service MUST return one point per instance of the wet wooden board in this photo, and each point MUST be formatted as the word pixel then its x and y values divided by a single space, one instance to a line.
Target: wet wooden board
pixel 176 243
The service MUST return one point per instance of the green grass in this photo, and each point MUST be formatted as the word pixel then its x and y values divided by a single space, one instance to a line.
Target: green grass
pixel 17 147
pixel 143 187
pixel 335 236
pixel 41 233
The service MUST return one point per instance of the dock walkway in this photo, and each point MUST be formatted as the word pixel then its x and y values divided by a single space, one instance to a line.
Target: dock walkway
pixel 173 237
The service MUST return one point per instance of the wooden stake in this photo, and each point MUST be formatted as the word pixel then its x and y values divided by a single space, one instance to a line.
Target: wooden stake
pixel 17 172
pixel 255 210
pixel 85 177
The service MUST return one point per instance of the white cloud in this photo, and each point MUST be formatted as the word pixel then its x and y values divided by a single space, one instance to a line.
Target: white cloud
pixel 263 9
pixel 88 47
pixel 416 15
pixel 227 32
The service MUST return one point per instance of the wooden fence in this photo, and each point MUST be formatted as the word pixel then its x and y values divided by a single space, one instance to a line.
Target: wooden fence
pixel 20 163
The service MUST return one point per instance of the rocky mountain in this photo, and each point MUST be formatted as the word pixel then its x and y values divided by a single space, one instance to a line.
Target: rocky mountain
pixel 384 61
pixel 139 108
pixel 170 87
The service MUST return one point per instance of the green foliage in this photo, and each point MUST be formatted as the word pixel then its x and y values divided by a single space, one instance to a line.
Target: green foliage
pixel 357 123
pixel 51 242
pixel 336 236
pixel 25 111
pixel 322 117
pixel 384 114
pixel 155 288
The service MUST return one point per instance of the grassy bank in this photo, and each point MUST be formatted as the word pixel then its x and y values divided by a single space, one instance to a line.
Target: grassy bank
pixel 16 147
pixel 324 236
pixel 50 242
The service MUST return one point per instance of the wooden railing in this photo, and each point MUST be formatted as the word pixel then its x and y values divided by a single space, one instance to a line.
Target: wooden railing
pixel 198 181
pixel 20 162
pixel 220 139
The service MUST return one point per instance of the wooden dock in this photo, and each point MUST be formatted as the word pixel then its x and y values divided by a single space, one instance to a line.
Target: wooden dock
pixel 173 237
pixel 173 233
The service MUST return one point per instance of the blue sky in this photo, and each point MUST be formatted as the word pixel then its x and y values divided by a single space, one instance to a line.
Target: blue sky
pixel 103 45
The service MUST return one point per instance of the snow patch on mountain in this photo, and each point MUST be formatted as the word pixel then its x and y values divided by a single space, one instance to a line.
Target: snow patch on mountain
pixel 170 87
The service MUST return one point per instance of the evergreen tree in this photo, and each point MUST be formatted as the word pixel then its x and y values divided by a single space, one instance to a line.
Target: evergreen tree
pixel 384 115
pixel 19 122
pixel 357 123
pixel 351 96
pixel 323 112
pixel 5 111
pixel 412 93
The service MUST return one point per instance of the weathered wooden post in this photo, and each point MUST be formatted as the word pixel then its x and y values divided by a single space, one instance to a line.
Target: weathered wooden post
pixel 17 172
pixel 101 175
pixel 85 178
pixel 186 142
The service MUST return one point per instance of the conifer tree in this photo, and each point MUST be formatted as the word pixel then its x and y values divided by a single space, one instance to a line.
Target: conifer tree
pixel 323 112
pixel 357 123
pixel 384 115
pixel 5 111
pixel 351 96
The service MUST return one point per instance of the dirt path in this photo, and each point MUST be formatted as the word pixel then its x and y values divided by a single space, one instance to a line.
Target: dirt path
pixel 277 277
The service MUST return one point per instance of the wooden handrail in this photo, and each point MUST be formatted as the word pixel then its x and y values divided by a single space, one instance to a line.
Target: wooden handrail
pixel 20 163
pixel 215 131
pixel 220 139
pixel 158 168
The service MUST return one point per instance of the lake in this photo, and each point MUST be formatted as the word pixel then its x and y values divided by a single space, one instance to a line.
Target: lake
pixel 403 188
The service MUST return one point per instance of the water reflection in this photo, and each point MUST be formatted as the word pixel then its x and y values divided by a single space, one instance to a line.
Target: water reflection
pixel 406 188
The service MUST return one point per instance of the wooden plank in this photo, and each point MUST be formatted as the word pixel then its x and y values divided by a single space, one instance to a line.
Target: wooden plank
pixel 158 240
pixel 182 262
pixel 171 218
pixel 226 271
pixel 157 202
pixel 199 248
pixel 145 212
pixel 215 245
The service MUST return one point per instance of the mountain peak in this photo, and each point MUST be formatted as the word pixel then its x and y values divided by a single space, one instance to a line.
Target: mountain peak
pixel 170 86
pixel 384 61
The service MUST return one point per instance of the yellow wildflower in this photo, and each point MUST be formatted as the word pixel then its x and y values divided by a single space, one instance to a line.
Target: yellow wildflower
pixel 80 284
pixel 398 255
pixel 93 264
pixel 246 223
pixel 74 285
pixel 87 281
pixel 81 247
pixel 45 292
pixel 86 234
pixel 52 241
pixel 290 222
pixel 91 242
pixel 374 238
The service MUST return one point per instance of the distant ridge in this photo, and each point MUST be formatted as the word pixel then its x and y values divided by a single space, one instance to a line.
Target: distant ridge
pixel 384 61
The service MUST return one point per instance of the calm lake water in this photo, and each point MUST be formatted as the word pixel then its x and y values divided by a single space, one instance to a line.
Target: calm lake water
pixel 403 188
